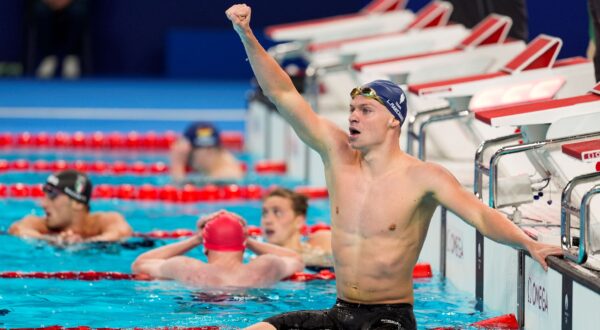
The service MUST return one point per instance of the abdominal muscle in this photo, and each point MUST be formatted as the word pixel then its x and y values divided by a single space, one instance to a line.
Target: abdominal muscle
pixel 375 251
pixel 374 271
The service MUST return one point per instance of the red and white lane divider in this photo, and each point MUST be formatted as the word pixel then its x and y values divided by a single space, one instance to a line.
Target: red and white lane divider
pixel 168 193
pixel 119 167
pixel 97 276
pixel 503 322
pixel 98 166
pixel 112 140
pixel 252 231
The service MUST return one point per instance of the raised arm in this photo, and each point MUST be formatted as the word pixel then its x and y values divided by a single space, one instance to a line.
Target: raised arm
pixel 151 262
pixel 278 87
pixel 491 223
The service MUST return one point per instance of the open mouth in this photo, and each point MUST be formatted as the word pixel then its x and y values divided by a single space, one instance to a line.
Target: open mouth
pixel 269 232
pixel 354 132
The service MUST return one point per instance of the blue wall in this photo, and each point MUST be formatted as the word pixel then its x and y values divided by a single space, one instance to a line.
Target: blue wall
pixel 129 37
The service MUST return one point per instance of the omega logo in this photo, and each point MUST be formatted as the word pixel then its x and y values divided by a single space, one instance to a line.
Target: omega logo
pixel 455 245
pixel 537 295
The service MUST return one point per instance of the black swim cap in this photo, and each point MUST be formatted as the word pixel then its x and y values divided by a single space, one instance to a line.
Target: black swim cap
pixel 72 183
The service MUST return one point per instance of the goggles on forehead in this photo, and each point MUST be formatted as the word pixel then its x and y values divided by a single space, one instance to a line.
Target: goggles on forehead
pixel 51 191
pixel 366 92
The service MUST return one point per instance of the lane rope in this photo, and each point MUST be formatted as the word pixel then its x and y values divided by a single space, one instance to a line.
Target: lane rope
pixel 112 140
pixel 168 193
pixel 421 270
pixel 118 167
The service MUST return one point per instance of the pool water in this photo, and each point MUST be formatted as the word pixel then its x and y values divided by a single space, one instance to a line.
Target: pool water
pixel 40 302
pixel 127 303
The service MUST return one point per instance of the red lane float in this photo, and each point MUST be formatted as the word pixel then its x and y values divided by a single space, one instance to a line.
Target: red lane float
pixel 508 321
pixel 252 231
pixel 187 194
pixel 503 322
pixel 270 167
pixel 83 276
pixel 422 270
pixel 113 140
pixel 120 167
pixel 98 166
pixel 313 192
pixel 307 277
pixel 96 276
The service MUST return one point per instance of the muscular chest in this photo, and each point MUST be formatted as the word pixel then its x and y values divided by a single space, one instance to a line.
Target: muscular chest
pixel 373 207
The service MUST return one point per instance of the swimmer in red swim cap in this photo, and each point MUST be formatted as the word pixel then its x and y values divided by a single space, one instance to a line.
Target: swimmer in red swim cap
pixel 224 233
pixel 223 236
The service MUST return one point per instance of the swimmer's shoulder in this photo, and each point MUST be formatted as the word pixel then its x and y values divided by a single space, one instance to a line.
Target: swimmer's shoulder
pixel 428 175
pixel 108 219
pixel 28 223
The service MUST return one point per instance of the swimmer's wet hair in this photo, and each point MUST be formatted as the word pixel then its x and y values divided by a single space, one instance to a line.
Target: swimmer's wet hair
pixel 299 201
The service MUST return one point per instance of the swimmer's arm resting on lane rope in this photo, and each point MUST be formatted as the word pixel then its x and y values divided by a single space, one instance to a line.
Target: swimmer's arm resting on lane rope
pixel 152 262
pixel 290 260
pixel 29 227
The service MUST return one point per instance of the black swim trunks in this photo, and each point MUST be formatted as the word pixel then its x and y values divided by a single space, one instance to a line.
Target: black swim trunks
pixel 349 316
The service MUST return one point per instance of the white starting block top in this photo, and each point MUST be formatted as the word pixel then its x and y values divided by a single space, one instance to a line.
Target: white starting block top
pixel 540 53
pixel 436 14
pixel 542 112
pixel 484 50
pixel 587 151
pixel 377 17
pixel 492 30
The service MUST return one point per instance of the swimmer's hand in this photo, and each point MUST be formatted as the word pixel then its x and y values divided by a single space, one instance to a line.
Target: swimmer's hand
pixel 539 252
pixel 63 239
pixel 239 15
pixel 69 237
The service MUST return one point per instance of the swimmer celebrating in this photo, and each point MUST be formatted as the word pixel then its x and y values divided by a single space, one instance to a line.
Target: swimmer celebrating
pixel 68 219
pixel 223 235
pixel 382 199
pixel 284 217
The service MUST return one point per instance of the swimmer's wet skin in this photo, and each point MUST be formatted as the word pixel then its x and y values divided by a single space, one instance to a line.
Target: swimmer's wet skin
pixel 384 198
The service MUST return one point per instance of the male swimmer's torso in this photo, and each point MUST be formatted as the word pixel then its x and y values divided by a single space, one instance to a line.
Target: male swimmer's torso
pixel 378 226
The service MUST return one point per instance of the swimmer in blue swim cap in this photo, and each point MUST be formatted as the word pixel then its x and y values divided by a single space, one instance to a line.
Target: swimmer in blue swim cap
pixel 223 237
pixel 382 199
pixel 200 151
pixel 67 219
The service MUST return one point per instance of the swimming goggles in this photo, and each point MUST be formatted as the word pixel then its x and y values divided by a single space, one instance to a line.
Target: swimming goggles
pixel 51 191
pixel 366 92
